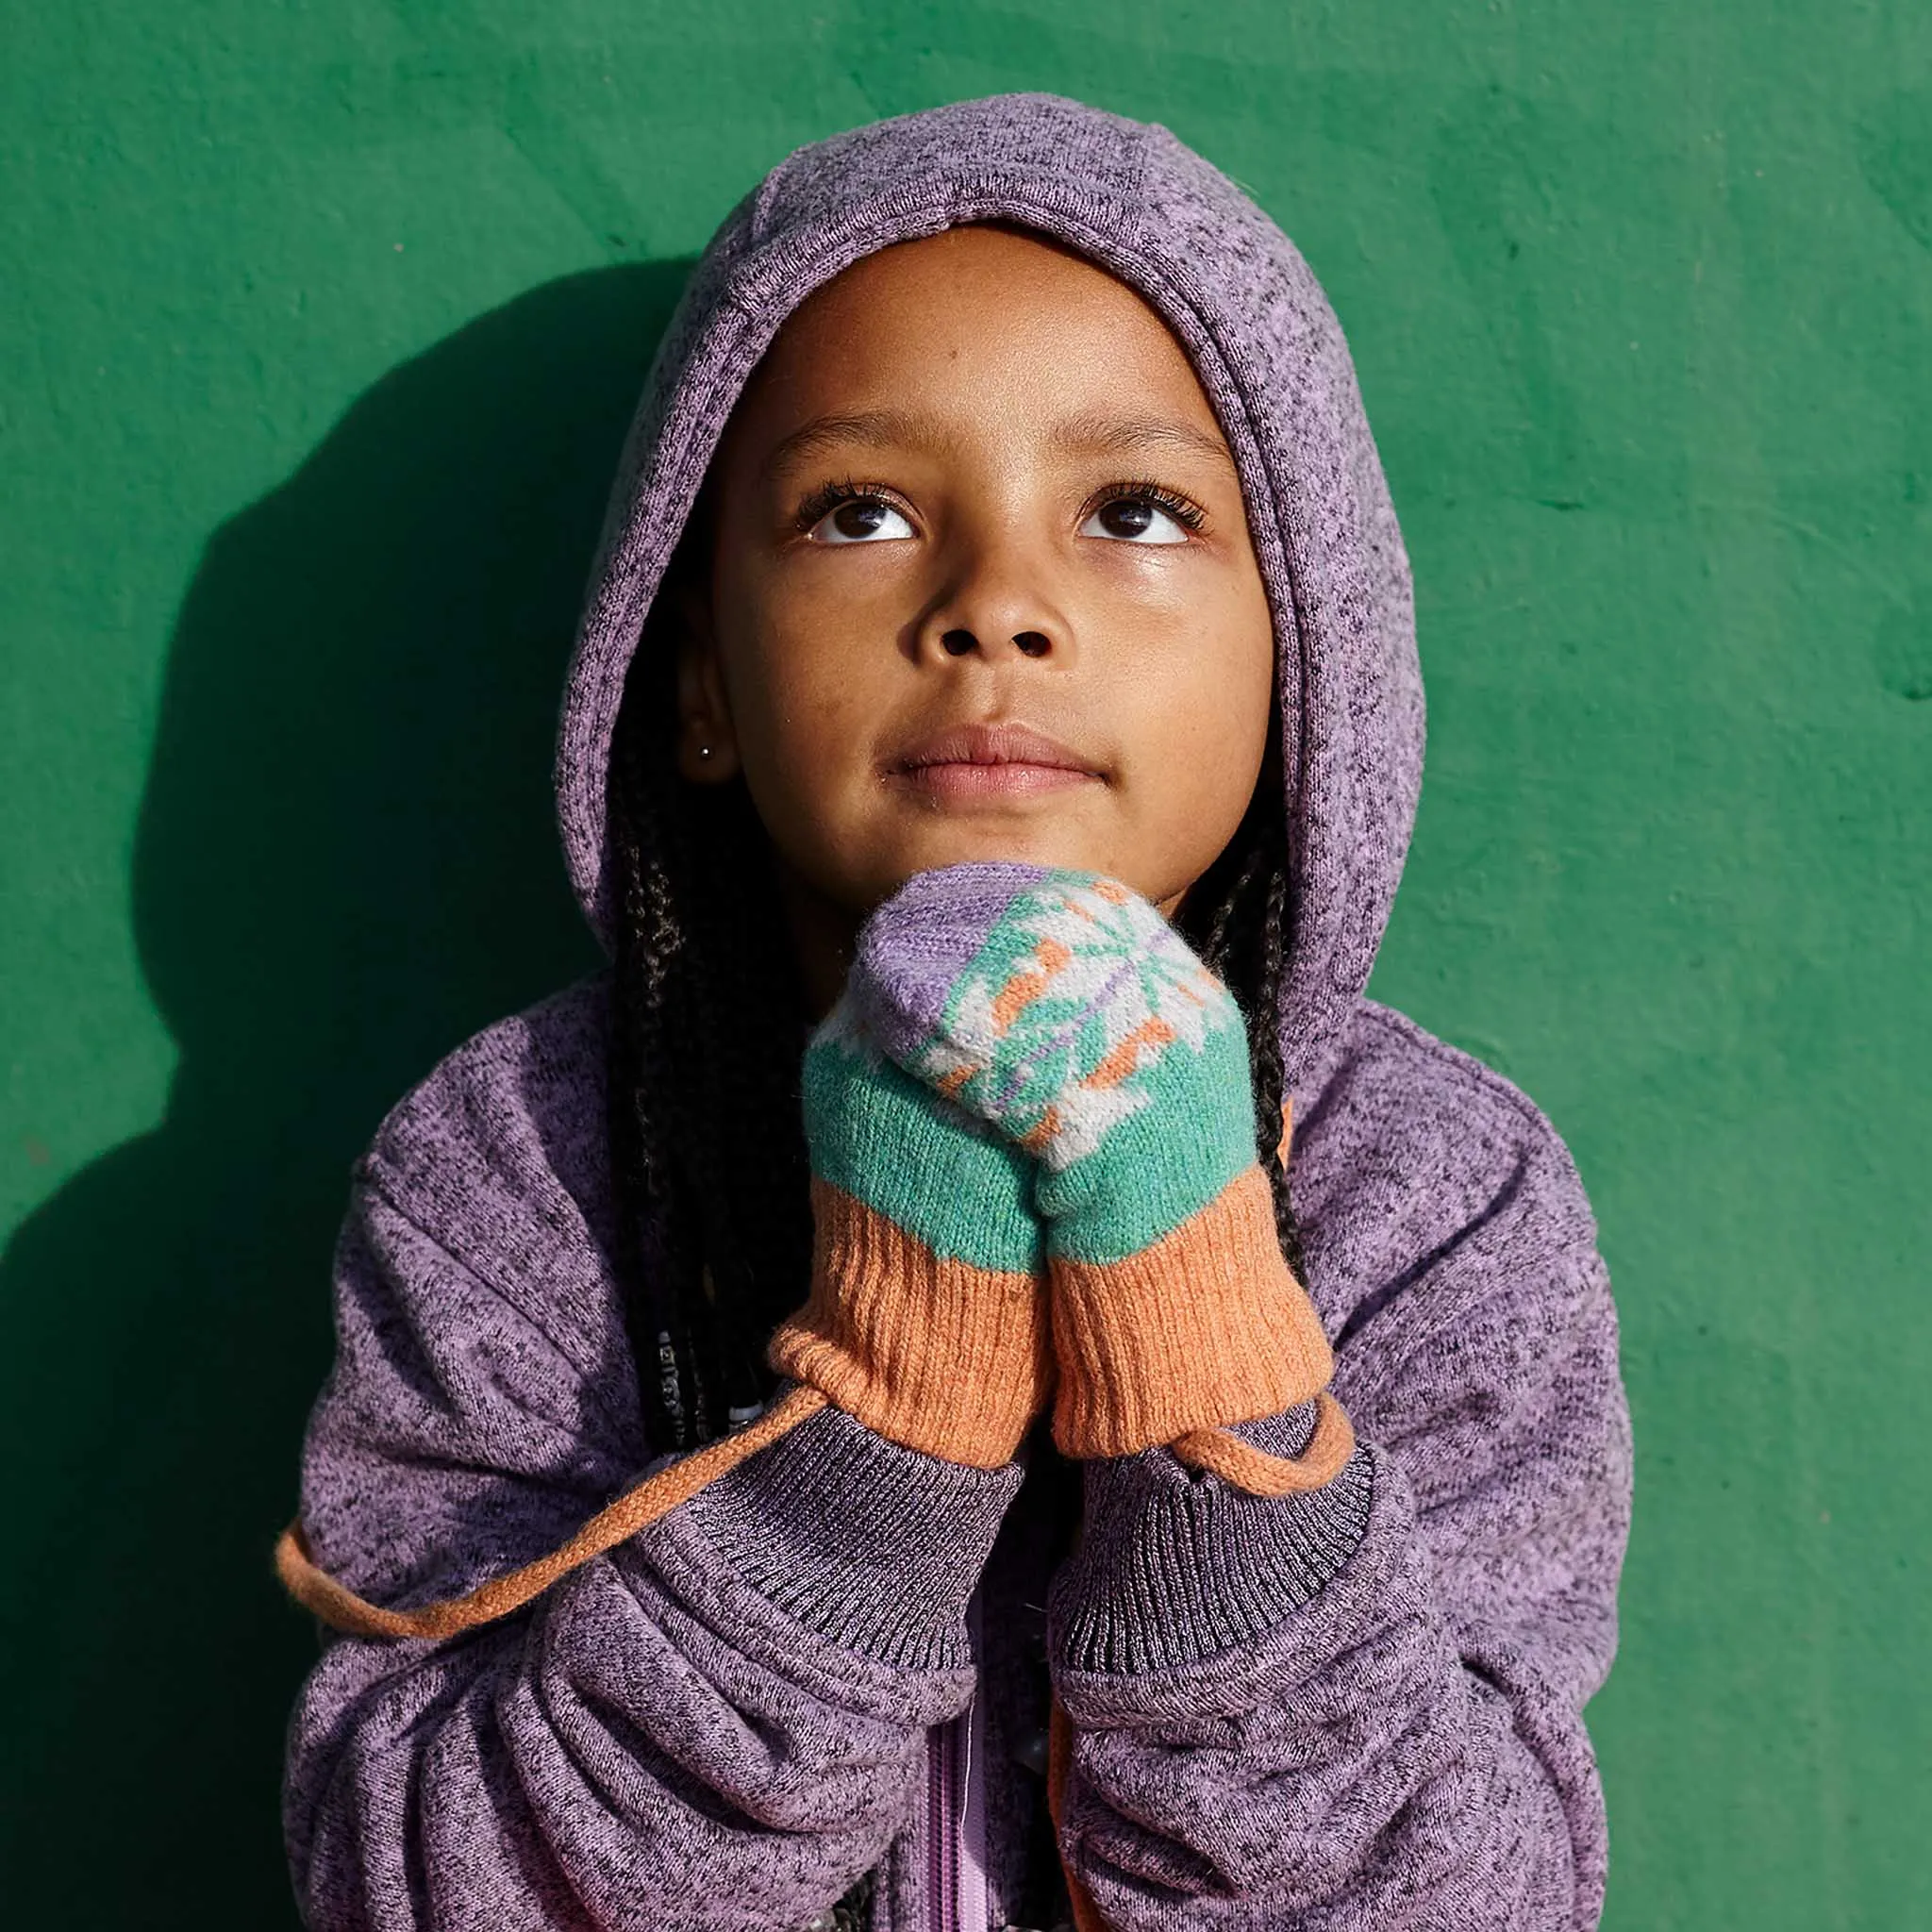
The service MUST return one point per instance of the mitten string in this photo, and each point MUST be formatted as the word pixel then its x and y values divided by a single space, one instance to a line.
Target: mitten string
pixel 639 1507
pixel 1239 1463
pixel 1217 1451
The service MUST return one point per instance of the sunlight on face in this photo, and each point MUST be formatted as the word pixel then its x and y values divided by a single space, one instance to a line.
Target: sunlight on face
pixel 981 584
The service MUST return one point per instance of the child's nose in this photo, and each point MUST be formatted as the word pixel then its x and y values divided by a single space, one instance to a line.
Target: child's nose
pixel 994 601
pixel 959 642
pixel 996 623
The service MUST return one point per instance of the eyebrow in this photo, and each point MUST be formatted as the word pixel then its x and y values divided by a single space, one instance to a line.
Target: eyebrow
pixel 1110 436
pixel 870 428
pixel 1085 434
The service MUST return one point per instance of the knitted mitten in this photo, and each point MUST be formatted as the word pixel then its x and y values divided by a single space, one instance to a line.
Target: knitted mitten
pixel 927 1314
pixel 1061 1009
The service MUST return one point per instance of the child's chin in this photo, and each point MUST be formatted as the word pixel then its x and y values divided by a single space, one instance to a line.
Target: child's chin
pixel 1038 843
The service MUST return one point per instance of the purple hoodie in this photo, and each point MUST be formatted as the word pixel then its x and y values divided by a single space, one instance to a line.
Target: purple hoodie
pixel 1356 1708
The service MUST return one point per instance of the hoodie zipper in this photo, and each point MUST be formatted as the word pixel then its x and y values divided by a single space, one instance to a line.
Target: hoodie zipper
pixel 941 1910
pixel 972 1912
pixel 956 1811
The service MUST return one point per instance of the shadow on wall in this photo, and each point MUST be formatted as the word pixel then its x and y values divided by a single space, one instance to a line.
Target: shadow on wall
pixel 346 864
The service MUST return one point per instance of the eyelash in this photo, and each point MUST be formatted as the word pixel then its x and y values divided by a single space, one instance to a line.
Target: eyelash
pixel 828 496
pixel 1183 510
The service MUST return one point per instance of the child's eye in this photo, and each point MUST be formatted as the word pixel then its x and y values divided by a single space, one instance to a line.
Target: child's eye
pixel 860 519
pixel 1142 515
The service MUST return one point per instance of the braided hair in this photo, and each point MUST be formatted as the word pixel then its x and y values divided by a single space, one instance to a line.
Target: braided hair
pixel 712 1181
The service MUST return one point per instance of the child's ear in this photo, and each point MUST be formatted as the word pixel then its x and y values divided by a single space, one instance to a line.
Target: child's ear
pixel 706 744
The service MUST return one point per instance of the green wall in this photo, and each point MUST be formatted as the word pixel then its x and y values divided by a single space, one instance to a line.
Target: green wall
pixel 320 329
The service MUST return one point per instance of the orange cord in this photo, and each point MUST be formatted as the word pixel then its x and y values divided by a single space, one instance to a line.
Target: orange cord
pixel 1217 1451
pixel 341 1608
pixel 1238 1461
pixel 1214 1450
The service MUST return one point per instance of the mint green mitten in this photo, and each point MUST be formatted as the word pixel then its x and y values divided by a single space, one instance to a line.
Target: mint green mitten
pixel 1061 1009
pixel 926 1317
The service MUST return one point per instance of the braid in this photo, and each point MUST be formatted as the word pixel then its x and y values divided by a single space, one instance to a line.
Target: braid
pixel 705 1110
pixel 1238 917
pixel 1271 1080
pixel 655 1232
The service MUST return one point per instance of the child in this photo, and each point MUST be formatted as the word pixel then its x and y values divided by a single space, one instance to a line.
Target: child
pixel 826 1427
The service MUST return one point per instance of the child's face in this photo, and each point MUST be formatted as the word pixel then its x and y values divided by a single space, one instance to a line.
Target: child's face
pixel 974 491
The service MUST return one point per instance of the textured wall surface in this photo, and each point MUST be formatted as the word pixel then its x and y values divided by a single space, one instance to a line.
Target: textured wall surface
pixel 320 329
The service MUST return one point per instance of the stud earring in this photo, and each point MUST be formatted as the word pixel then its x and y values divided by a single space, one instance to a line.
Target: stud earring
pixel 704 751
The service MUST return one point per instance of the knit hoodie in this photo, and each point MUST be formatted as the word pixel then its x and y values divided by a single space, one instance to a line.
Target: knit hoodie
pixel 1359 1708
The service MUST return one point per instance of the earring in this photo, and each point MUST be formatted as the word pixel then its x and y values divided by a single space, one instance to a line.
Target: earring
pixel 704 751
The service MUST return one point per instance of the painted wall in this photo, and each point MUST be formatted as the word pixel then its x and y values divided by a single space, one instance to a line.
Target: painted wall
pixel 320 329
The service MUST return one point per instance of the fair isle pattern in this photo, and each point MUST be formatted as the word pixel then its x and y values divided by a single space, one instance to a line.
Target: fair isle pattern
pixel 1056 1027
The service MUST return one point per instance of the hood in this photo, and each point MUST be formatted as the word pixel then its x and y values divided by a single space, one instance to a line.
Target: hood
pixel 1271 357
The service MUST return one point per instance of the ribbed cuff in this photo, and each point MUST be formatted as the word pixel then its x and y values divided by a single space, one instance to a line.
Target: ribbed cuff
pixel 871 1545
pixel 1175 1567
pixel 1205 1327
pixel 930 1351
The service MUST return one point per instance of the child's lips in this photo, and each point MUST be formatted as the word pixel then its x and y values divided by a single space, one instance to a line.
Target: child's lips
pixel 966 763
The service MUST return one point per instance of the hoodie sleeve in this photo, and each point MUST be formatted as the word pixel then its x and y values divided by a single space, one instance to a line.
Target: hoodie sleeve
pixel 718 1725
pixel 1364 1708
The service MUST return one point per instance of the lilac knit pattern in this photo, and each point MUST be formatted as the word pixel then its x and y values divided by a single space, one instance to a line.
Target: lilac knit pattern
pixel 1357 1709
pixel 940 924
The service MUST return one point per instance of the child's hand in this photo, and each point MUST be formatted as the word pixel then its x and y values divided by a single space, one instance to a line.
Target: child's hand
pixel 1061 1009
pixel 928 1315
